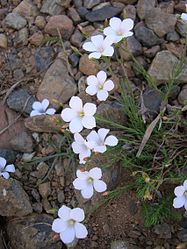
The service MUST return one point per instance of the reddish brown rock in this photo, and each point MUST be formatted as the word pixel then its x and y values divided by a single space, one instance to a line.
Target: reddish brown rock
pixel 87 66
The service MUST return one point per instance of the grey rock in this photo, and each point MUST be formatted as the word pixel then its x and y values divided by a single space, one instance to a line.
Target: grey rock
pixel 18 74
pixel 61 196
pixel 23 142
pixel 163 65
pixel 163 230
pixel 181 27
pixel 151 52
pixel 20 100
pixel 160 22
pixel 51 7
pixel 182 235
pixel 91 3
pixel 43 58
pixel 13 199
pixel 145 6
pixel 14 61
pixel 9 155
pixel 44 189
pixel 74 59
pixel 126 1
pixel 147 37
pixel 82 12
pixel 78 3
pixel 33 232
pixel 57 86
pixel 76 38
pixel 74 15
pixel 21 37
pixel 130 12
pixel 119 244
pixel 172 36
pixel 15 21
pixel 26 9
pixel 182 98
pixel 102 14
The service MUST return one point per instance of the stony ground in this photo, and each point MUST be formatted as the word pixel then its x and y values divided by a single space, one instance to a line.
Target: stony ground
pixel 41 56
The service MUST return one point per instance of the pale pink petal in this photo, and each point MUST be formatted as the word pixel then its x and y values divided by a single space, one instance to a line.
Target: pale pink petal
pixel 101 76
pixel 50 111
pixel 76 103
pixel 102 132
pixel 68 235
pixel 89 122
pixel 87 193
pixel 59 225
pixel 108 85
pixel 77 214
pixel 95 173
pixel 80 231
pixel 5 175
pixel 76 125
pixel 184 16
pixel 2 163
pixel 68 114
pixel 92 80
pixel 127 24
pixel 99 186
pixel 179 191
pixel 82 174
pixel 89 46
pixel 45 104
pixel 115 23
pixel 10 168
pixel 179 202
pixel 111 141
pixel 100 149
pixel 36 113
pixel 109 40
pixel 97 40
pixel 80 183
pixel 78 148
pixel 108 51
pixel 64 213
pixel 185 184
pixel 93 137
pixel 102 95
pixel 89 109
pixel 95 55
pixel 91 90
pixel 109 31
pixel 37 106
pixel 78 138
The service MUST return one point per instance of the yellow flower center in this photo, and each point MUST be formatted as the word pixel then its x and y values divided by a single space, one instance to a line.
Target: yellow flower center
pixel 90 180
pixel 101 49
pixel 81 114
pixel 119 33
pixel 100 86
pixel 71 222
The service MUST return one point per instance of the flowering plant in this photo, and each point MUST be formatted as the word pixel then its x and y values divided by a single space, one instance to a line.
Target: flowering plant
pixel 6 169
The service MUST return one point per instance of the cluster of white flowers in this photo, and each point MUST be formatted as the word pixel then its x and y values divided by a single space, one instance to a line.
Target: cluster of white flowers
pixel 41 108
pixel 184 15
pixel 181 196
pixel 6 169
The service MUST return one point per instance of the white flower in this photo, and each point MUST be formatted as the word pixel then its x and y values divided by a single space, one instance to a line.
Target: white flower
pixel 78 115
pixel 99 46
pixel 40 108
pixel 68 225
pixel 119 29
pixel 184 16
pixel 181 196
pixel 99 85
pixel 80 147
pixel 6 169
pixel 97 141
pixel 87 181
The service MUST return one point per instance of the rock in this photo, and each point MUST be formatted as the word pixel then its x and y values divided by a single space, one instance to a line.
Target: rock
pixel 167 7
pixel 44 189
pixel 102 14
pixel 82 12
pixel 62 23
pixel 42 170
pixel 13 199
pixel 130 12
pixel 57 86
pixel 61 196
pixel 182 98
pixel 26 9
pixel 172 36
pixel 182 235
pixel 36 39
pixel 126 1
pixel 167 61
pixel 160 22
pixel 147 37
pixel 145 6
pixel 44 56
pixel 23 142
pixel 15 21
pixel 44 123
pixel 9 155
pixel 51 7
pixel 3 41
pixel 181 27
pixel 76 38
pixel 21 101
pixel 91 3
pixel 130 47
pixel 74 15
pixel 33 232
pixel 151 52
pixel 40 22
pixel 163 230
pixel 87 66
pixel 21 38
pixel 74 59
pixel 119 244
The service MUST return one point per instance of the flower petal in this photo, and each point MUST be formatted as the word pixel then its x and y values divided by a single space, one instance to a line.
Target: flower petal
pixel 102 132
pixel 115 22
pixel 75 103
pixel 87 193
pixel 109 31
pixel 179 191
pixel 50 111
pixel 82 174
pixel 45 104
pixel 109 40
pixel 127 24
pixel 179 202
pixel 101 76
pixel 89 46
pixel 89 122
pixel 59 225
pixel 95 173
pixel 95 55
pixel 102 95
pixel 36 113
pixel 91 90
pixel 108 51
pixel 80 231
pixel 184 16
pixel 93 137
pixel 92 80
pixel 185 184
pixel 68 114
pixel 97 40
pixel 100 149
pixel 89 109
pixel 99 186
pixel 10 168
pixel 37 106
pixel 111 141
pixel 75 125
pixel 64 213
pixel 68 235
pixel 6 175
pixel 108 85
pixel 2 163
pixel 80 183
pixel 78 148
pixel 77 214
